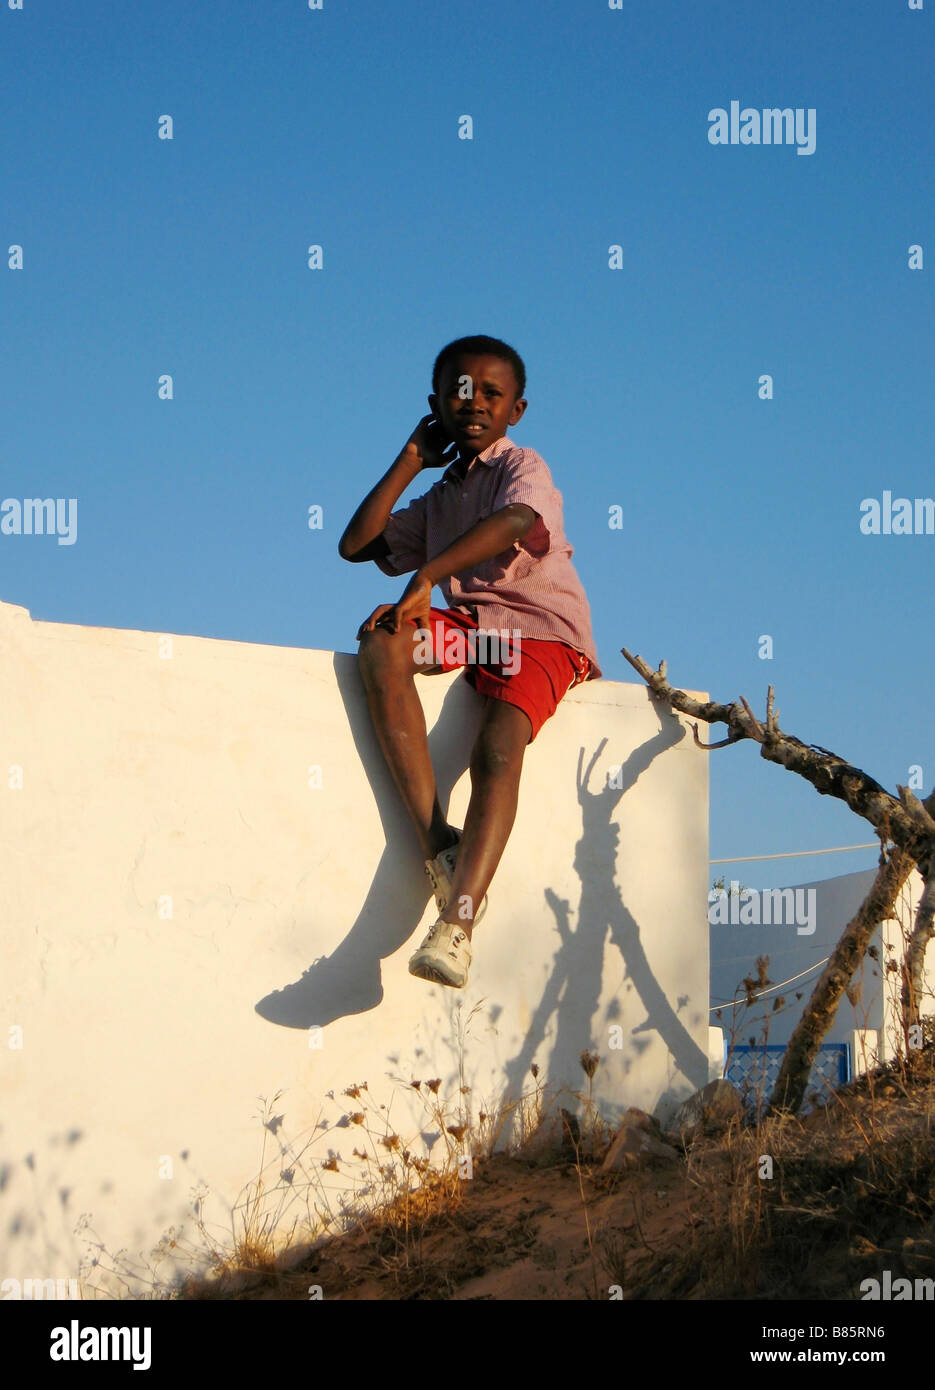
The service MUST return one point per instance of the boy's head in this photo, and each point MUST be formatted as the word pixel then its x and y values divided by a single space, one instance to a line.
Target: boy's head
pixel 477 391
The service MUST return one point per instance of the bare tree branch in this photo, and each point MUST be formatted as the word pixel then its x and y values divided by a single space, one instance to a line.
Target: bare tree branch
pixel 819 1013
pixel 914 963
pixel 905 820
pixel 722 743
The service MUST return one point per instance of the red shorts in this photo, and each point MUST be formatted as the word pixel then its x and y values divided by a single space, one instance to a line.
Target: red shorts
pixel 533 674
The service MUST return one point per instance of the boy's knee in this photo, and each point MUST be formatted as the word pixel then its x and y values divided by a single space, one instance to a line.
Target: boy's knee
pixel 380 651
pixel 372 650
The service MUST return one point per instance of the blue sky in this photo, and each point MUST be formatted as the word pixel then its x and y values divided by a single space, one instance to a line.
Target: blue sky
pixel 294 387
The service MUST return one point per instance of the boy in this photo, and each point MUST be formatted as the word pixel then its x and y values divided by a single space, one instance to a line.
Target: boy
pixel 490 534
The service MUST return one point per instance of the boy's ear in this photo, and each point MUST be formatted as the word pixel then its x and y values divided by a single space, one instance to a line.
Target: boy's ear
pixel 433 405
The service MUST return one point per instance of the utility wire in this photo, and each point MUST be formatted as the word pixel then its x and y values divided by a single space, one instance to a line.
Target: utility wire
pixel 792 854
pixel 732 1004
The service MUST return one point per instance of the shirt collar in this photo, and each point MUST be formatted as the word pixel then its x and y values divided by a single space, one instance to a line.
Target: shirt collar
pixel 486 456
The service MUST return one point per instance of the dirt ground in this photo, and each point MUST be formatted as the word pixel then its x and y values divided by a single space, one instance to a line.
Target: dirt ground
pixel 852 1191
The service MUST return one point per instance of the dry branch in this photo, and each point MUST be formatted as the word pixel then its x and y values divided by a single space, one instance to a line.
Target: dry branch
pixel 818 1015
pixel 914 964
pixel 904 820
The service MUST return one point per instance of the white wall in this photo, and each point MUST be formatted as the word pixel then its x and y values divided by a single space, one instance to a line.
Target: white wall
pixel 170 876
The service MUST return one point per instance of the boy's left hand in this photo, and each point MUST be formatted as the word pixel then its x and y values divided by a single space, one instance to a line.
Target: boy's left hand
pixel 415 603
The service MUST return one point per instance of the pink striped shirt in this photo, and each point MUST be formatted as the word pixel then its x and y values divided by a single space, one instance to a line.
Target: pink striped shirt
pixel 532 587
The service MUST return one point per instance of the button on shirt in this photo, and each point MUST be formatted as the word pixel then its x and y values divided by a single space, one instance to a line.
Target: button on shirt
pixel 532 587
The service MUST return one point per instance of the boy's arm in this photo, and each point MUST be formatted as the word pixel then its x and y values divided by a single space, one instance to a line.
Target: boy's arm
pixel 367 524
pixel 427 447
pixel 375 550
pixel 481 542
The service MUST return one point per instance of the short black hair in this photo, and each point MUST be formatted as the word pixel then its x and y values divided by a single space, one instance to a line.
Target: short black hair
pixel 477 346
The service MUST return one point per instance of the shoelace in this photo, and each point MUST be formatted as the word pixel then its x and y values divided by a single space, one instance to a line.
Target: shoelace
pixel 440 896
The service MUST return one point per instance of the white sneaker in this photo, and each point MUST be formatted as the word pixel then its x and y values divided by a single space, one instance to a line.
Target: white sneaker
pixel 441 870
pixel 444 956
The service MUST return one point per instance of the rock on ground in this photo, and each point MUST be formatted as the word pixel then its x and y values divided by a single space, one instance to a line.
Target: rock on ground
pixel 708 1111
pixel 638 1143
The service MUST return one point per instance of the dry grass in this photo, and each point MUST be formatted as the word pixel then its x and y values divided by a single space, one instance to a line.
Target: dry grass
pixel 783 1208
pixel 852 1192
pixel 406 1224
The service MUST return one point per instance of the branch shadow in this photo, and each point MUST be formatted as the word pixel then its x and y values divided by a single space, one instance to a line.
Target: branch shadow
pixel 573 989
pixel 349 981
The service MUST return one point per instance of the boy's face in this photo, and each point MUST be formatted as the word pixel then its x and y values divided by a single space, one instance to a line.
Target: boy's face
pixel 493 402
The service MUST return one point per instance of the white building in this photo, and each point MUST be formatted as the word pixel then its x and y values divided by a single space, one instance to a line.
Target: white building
pixel 798 931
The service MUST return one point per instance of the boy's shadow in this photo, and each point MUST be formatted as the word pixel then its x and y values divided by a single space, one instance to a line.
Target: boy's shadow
pixel 349 981
pixel 573 989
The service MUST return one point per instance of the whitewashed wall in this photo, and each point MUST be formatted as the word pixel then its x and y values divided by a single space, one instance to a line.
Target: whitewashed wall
pixel 172 871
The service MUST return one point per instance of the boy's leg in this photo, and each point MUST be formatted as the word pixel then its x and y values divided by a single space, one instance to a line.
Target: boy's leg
pixel 496 765
pixel 387 666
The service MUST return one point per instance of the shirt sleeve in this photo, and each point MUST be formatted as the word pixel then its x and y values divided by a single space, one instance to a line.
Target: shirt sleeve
pixel 526 478
pixel 404 533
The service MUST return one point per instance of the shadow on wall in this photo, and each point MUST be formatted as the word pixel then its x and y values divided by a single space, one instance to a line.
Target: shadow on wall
pixel 349 981
pixel 574 986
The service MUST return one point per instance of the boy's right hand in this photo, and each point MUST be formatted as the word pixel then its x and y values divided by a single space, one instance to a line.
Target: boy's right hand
pixel 434 446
